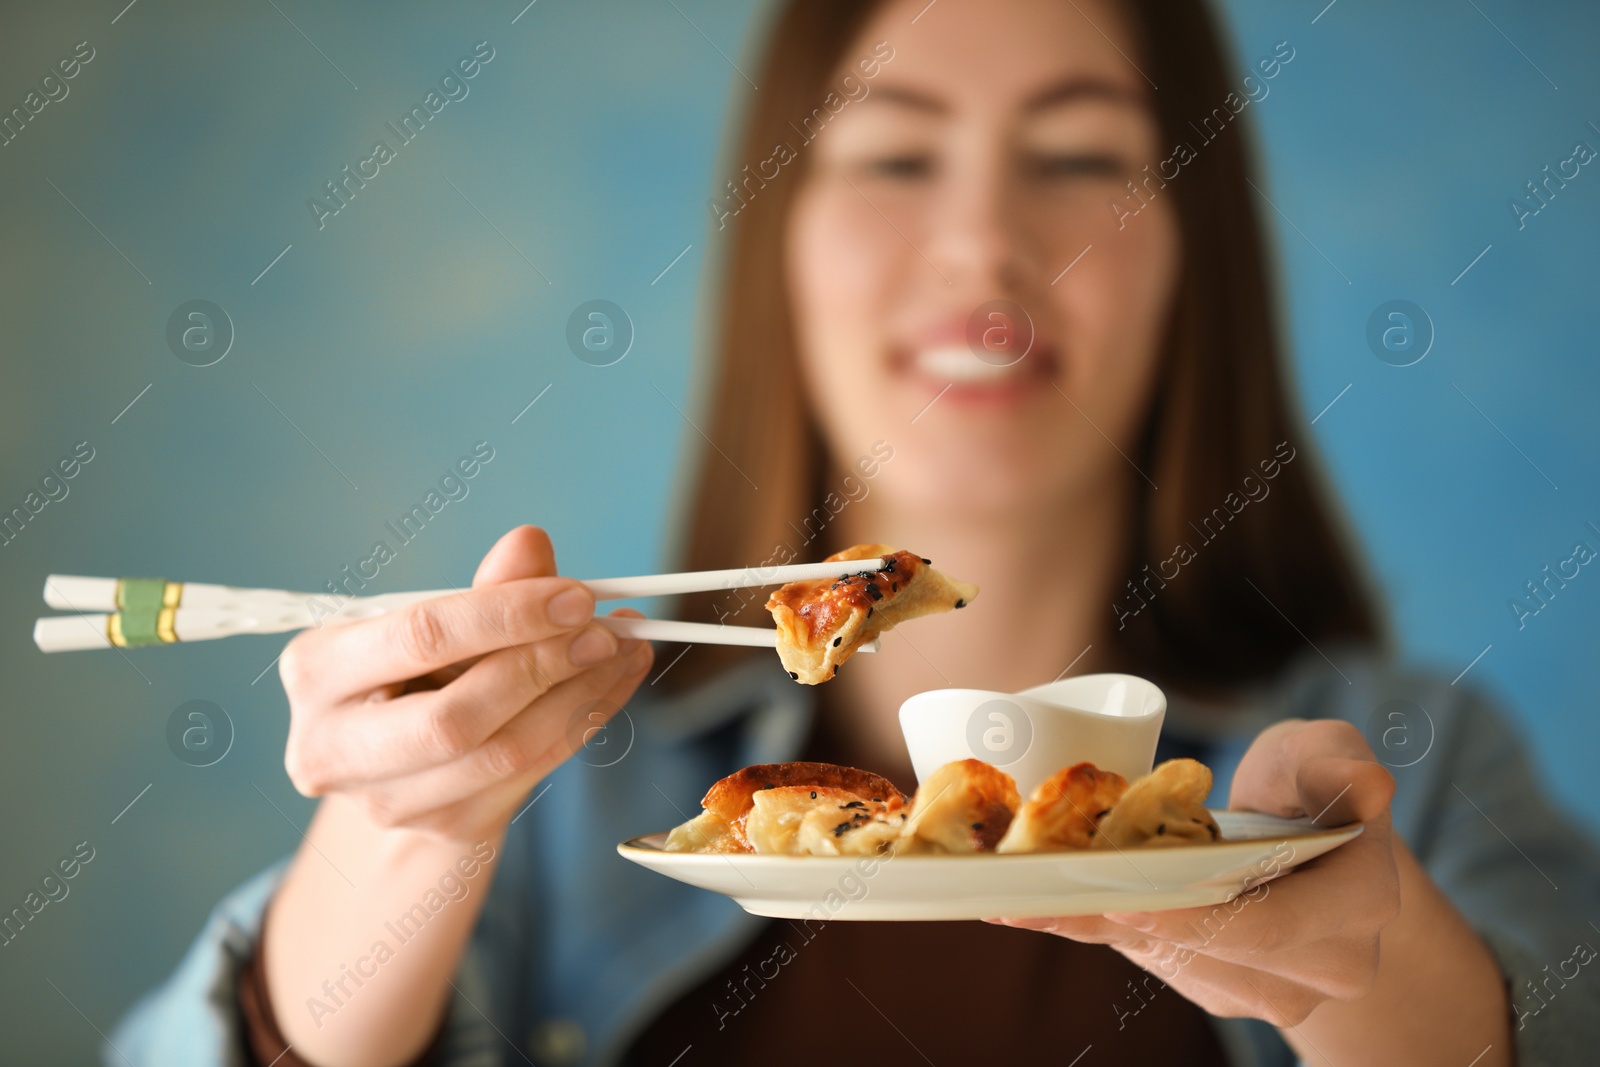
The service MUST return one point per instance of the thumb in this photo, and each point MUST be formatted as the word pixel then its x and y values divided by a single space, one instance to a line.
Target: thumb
pixel 1335 790
pixel 1322 768
pixel 524 552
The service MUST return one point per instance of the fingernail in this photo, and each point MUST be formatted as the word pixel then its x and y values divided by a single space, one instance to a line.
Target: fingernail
pixel 591 646
pixel 572 607
pixel 641 656
pixel 1139 920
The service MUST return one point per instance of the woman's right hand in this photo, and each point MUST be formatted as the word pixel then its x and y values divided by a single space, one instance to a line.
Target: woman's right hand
pixel 441 716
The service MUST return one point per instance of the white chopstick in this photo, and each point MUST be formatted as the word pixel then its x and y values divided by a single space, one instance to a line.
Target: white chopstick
pixel 75 633
pixel 646 585
pixel 170 612
pixel 71 592
pixel 699 633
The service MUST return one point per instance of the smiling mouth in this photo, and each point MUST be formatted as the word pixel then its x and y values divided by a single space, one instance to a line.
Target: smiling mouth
pixel 959 366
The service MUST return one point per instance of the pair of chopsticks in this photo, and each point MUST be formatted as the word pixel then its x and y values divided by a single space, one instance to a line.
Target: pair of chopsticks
pixel 136 612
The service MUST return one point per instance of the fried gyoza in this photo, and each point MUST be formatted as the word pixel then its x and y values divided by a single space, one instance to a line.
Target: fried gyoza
pixel 1065 810
pixel 964 806
pixel 1166 807
pixel 969 806
pixel 765 809
pixel 822 622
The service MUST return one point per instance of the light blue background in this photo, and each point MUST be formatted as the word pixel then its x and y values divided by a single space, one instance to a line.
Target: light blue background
pixel 409 328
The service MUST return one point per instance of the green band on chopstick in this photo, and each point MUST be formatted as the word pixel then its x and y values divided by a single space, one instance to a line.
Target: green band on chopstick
pixel 139 628
pixel 141 595
pixel 148 612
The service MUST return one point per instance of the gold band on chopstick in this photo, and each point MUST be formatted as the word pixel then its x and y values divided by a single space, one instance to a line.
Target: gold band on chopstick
pixel 147 613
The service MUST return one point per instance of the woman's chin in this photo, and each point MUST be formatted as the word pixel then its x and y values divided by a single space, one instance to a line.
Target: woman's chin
pixel 965 488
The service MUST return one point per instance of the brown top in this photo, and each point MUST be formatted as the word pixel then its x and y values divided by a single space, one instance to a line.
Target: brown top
pixel 916 992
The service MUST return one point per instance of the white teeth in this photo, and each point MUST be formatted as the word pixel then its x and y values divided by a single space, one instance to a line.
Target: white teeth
pixel 959 364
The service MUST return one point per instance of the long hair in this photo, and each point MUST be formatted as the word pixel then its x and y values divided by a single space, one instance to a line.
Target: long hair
pixel 1250 595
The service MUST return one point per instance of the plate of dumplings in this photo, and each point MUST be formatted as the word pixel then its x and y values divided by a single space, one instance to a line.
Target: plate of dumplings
pixel 820 841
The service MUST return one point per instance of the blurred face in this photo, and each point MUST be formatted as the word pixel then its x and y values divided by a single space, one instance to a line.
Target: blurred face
pixel 927 247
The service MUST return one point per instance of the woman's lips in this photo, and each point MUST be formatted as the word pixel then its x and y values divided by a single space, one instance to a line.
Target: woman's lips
pixel 958 375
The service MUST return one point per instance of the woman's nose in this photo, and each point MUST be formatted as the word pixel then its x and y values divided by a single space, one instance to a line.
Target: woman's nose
pixel 977 239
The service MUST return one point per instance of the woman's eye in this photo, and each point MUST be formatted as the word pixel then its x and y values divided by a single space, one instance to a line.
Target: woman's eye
pixel 1076 166
pixel 902 166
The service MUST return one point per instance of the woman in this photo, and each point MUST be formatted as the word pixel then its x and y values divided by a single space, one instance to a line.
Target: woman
pixel 1131 494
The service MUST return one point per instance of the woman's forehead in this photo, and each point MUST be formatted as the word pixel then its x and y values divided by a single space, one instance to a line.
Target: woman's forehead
pixel 1025 54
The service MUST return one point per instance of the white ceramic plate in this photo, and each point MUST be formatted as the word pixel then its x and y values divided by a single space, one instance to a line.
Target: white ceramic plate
pixel 1257 848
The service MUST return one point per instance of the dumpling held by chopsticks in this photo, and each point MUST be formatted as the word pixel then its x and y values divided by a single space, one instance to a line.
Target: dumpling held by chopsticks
pixel 822 622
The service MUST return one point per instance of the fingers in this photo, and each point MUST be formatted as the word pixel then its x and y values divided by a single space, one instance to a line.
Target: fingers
pixel 1227 989
pixel 1353 889
pixel 490 807
pixel 317 663
pixel 524 552
pixel 1270 987
pixel 1332 909
pixel 529 745
pixel 1090 929
pixel 1283 946
pixel 390 735
pixel 346 660
pixel 1323 768
pixel 1318 925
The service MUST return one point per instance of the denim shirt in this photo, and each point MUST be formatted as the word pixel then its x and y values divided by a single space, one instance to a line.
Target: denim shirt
pixel 577 950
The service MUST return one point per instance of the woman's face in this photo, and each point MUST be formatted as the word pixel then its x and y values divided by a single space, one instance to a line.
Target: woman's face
pixel 962 191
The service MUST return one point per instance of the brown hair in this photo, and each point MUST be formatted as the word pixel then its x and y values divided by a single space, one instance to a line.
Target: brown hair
pixel 1218 410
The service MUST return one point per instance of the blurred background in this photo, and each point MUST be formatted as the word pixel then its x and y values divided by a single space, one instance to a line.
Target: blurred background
pixel 362 357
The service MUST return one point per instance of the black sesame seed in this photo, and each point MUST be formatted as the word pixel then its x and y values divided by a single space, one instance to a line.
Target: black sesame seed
pixel 961 603
pixel 877 800
pixel 838 831
pixel 792 674
pixel 869 612
pixel 977 826
pixel 1213 828
pixel 769 785
pixel 853 804
pixel 1102 815
pixel 894 586
pixel 835 670
pixel 836 641
pixel 1161 828
pixel 813 794
pixel 928 561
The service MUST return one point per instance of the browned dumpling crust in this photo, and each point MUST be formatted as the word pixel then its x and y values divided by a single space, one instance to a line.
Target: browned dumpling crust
pixel 1065 810
pixel 822 622
pixel 1164 808
pixel 729 803
pixel 965 806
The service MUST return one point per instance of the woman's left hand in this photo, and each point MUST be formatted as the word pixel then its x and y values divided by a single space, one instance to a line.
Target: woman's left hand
pixel 1288 945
